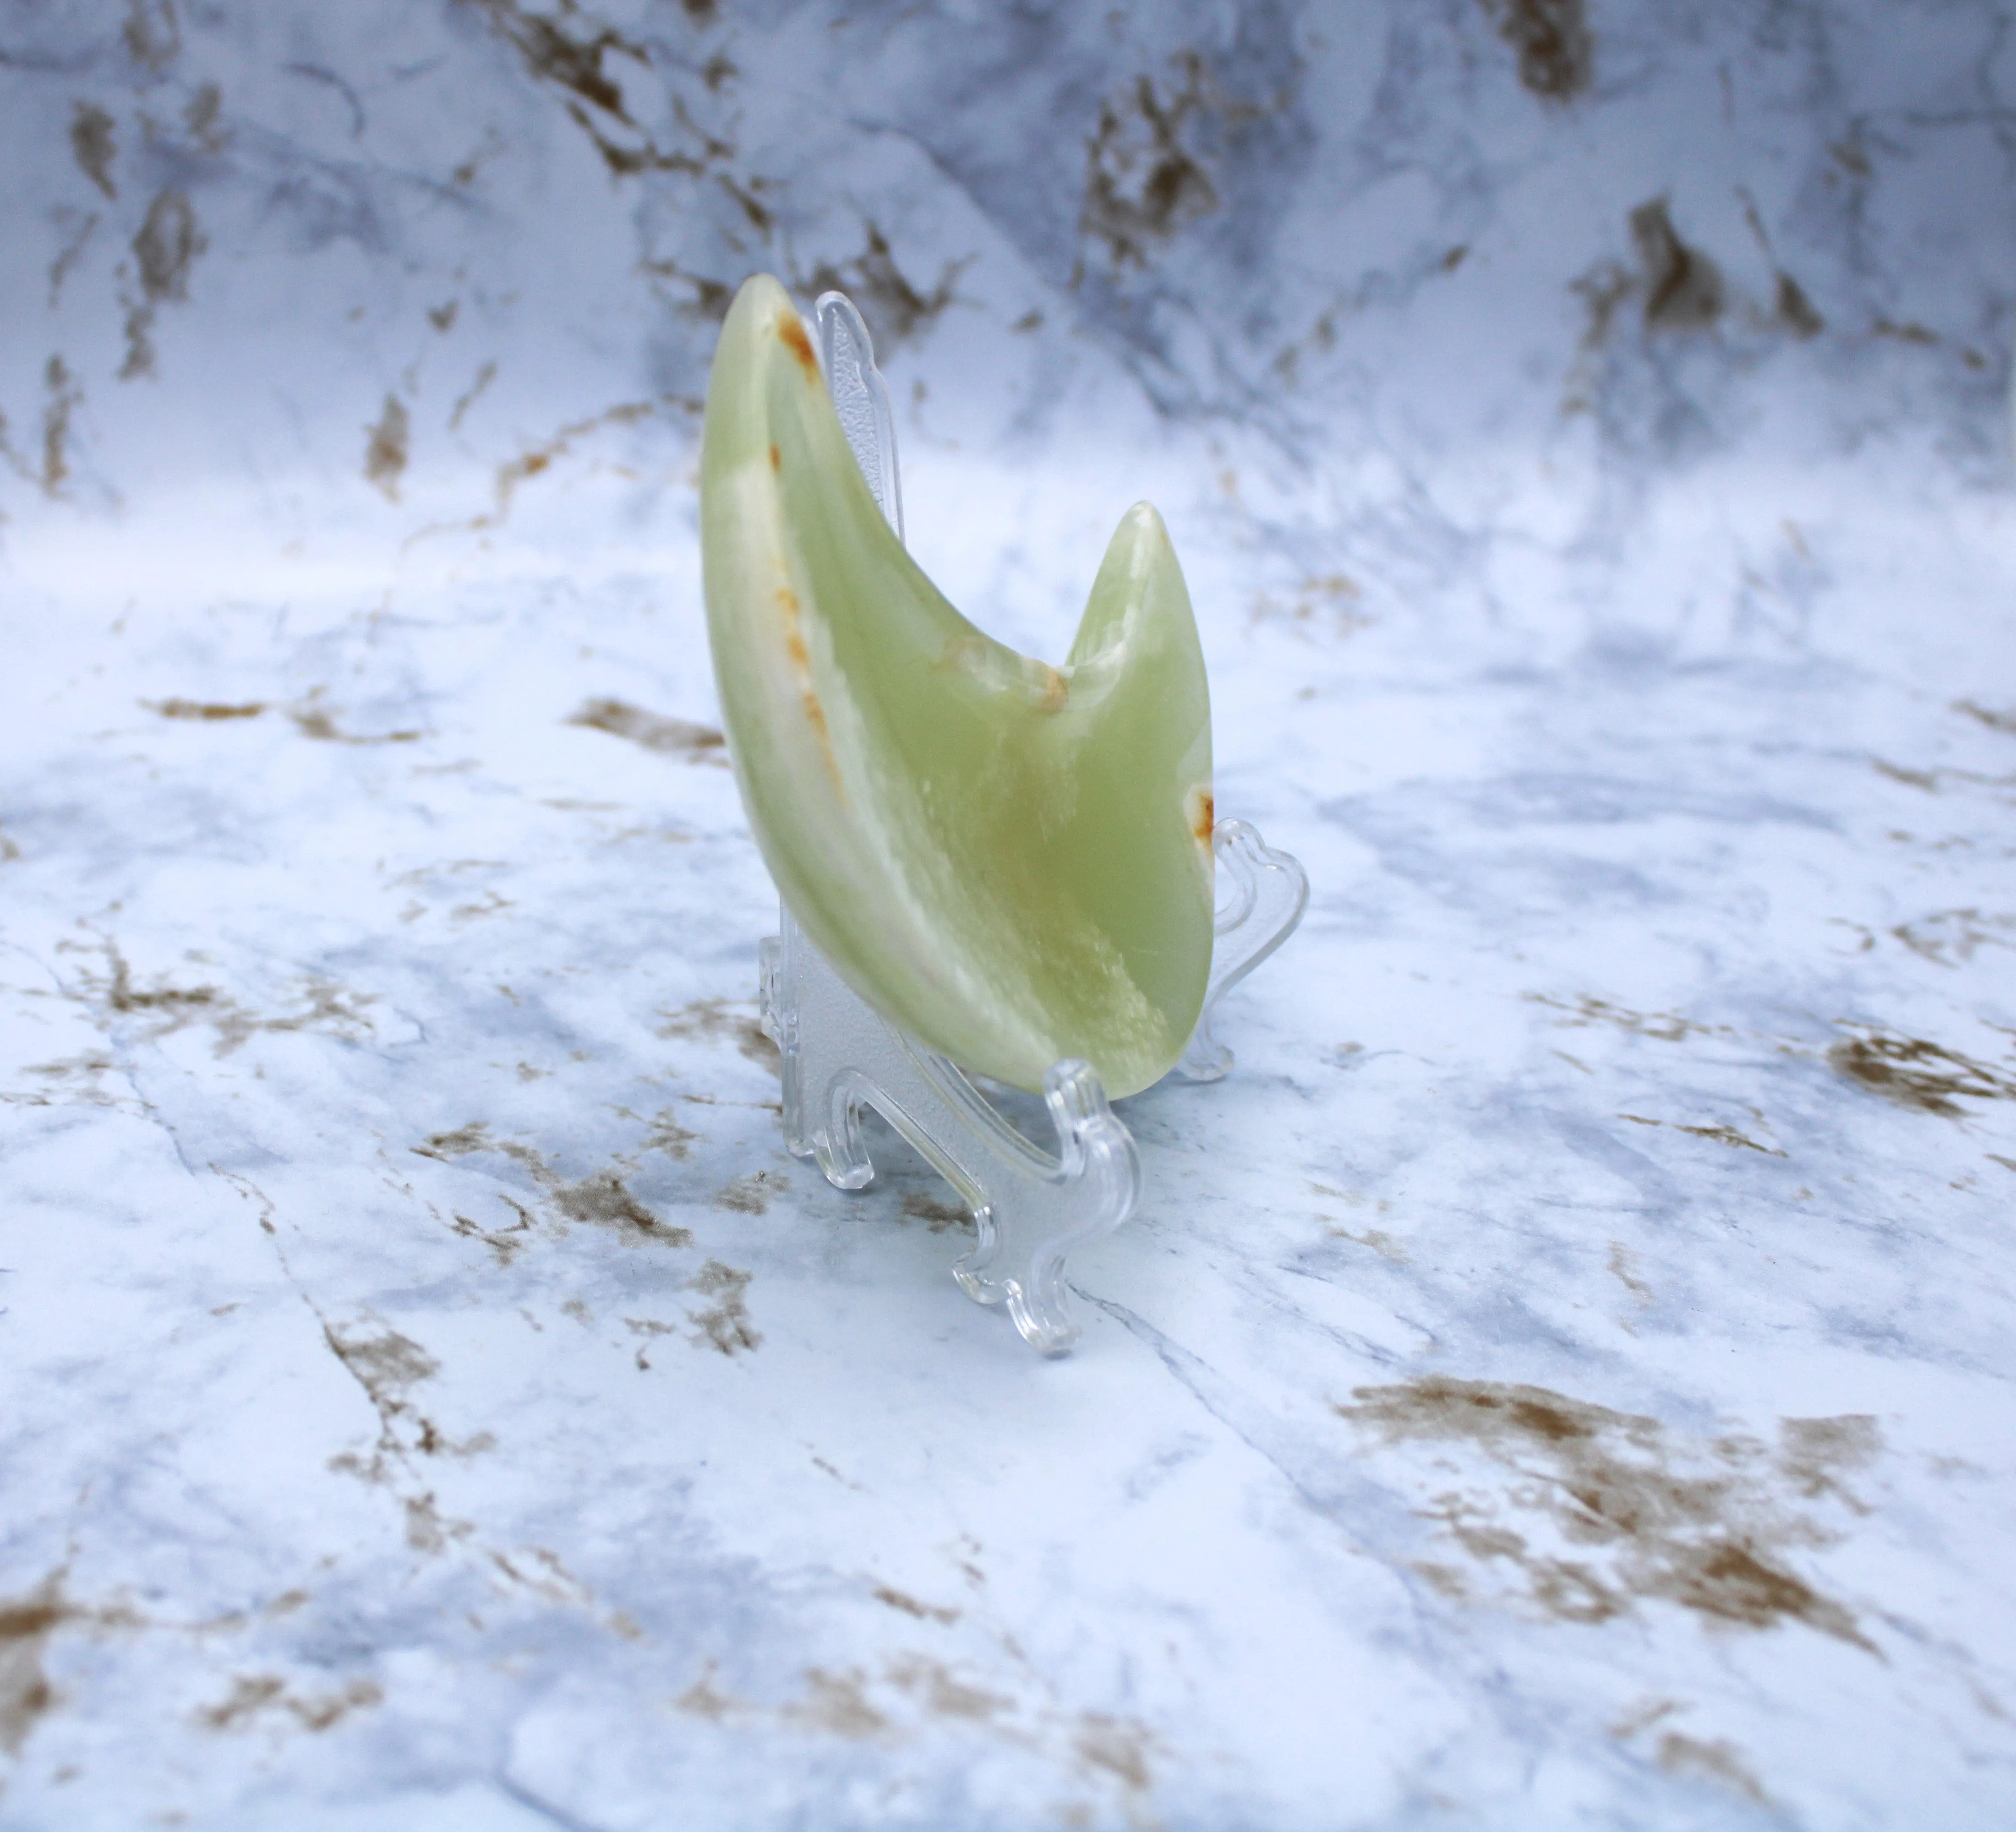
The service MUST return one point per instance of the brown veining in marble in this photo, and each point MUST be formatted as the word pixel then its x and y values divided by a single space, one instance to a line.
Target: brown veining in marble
pixel 1714 1759
pixel 902 1599
pixel 26 1624
pixel 668 737
pixel 748 1195
pixel 1683 291
pixel 1994 721
pixel 1951 938
pixel 1913 1074
pixel 213 711
pixel 1642 1518
pixel 724 1324
pixel 601 1199
pixel 731 1018
pixel 388 447
pixel 327 1008
pixel 253 1695
pixel 64 395
pixel 165 250
pixel 1552 39
pixel 92 143
pixel 938 1216
pixel 154 34
pixel 1666 1027
pixel 542 458
pixel 586 60
pixel 1142 183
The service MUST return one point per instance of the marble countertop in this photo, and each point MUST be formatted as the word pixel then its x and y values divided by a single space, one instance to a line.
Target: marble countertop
pixel 1563 1378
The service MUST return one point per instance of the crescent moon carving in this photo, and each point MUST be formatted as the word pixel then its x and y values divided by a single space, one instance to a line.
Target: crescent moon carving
pixel 1010 860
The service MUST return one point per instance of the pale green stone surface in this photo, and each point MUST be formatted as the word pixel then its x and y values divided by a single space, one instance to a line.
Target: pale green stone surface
pixel 1010 860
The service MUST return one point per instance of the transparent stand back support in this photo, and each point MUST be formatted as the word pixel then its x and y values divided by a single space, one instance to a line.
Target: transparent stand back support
pixel 1030 1208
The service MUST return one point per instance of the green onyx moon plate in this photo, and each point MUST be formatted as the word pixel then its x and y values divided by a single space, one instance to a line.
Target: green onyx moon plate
pixel 1010 861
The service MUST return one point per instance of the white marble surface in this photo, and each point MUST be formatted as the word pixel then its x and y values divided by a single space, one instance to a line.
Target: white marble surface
pixel 1563 1378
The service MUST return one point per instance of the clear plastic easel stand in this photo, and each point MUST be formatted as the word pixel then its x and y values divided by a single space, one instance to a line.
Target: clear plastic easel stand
pixel 1030 1207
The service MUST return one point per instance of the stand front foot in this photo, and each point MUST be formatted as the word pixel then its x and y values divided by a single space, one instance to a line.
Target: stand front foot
pixel 1018 1260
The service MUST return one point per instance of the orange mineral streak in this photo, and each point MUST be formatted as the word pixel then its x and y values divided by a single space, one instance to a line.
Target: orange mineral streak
pixel 776 458
pixel 793 331
pixel 795 640
pixel 794 646
pixel 1056 689
pixel 1203 814
pixel 815 717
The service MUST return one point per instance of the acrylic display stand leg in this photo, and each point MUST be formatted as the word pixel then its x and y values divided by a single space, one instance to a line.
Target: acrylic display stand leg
pixel 1270 892
pixel 1030 1208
